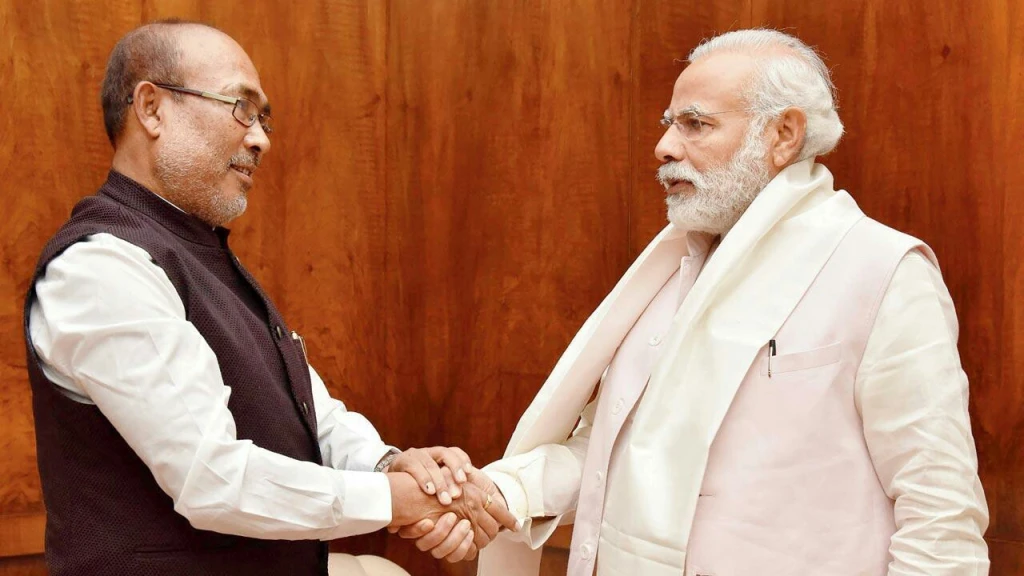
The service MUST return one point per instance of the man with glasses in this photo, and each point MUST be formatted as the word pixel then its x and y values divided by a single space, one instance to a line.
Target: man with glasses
pixel 180 429
pixel 773 388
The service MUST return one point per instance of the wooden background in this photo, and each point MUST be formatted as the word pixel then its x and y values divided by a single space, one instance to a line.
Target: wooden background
pixel 455 185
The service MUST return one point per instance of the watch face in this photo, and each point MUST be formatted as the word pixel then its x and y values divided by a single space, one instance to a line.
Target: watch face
pixel 385 461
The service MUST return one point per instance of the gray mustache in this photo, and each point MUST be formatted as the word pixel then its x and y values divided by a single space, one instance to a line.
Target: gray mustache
pixel 245 160
pixel 675 171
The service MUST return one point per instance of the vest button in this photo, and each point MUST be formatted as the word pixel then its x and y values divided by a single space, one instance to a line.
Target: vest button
pixel 305 409
pixel 278 332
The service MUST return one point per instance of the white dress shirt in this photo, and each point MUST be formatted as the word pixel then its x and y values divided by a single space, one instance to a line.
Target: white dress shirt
pixel 111 330
pixel 918 434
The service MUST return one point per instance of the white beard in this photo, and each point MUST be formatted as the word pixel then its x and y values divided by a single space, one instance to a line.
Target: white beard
pixel 721 193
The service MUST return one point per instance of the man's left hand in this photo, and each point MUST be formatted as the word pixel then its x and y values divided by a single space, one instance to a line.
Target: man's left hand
pixel 439 537
pixel 424 464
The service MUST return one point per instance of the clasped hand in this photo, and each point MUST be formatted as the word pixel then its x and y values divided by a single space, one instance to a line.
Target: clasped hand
pixel 438 498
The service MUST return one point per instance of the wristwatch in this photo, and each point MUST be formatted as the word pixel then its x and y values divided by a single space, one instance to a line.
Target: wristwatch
pixel 386 461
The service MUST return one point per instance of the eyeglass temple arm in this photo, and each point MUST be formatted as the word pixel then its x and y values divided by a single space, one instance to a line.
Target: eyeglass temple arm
pixel 227 99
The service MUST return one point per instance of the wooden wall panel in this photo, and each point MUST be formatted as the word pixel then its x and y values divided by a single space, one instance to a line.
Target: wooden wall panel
pixel 23 566
pixel 52 150
pixel 1002 459
pixel 1004 462
pixel 1007 557
pixel 507 193
pixel 454 185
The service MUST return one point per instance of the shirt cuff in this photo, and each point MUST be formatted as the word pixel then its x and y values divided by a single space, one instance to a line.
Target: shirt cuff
pixel 534 528
pixel 366 503
pixel 511 490
pixel 366 459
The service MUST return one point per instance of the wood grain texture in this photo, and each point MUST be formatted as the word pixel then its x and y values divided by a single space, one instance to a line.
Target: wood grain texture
pixel 507 193
pixel 506 151
pixel 22 534
pixel 1007 557
pixel 23 566
pixel 1003 409
pixel 455 185
pixel 52 151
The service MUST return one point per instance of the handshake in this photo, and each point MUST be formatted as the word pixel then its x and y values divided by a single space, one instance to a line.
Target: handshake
pixel 449 507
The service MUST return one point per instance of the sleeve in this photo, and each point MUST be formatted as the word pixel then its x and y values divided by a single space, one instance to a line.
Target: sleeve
pixel 542 486
pixel 347 439
pixel 109 320
pixel 913 397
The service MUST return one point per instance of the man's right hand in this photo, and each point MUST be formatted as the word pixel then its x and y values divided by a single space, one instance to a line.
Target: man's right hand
pixel 454 532
pixel 475 512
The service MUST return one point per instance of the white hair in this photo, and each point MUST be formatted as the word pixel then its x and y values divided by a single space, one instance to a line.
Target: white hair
pixel 789 74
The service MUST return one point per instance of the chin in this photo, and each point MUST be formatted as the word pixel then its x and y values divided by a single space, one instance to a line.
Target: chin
pixel 226 208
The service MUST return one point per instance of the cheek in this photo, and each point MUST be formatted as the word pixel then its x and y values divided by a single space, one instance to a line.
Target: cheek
pixel 716 152
pixel 703 155
pixel 215 153
pixel 216 139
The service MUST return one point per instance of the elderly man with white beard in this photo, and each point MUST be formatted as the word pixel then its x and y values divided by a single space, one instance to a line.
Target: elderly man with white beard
pixel 773 387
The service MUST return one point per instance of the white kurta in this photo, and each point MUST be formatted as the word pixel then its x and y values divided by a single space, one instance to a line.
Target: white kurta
pixel 111 330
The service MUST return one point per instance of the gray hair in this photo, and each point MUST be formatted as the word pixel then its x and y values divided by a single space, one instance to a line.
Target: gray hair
pixel 789 74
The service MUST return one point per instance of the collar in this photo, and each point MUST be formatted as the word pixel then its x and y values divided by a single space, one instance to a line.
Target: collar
pixel 137 197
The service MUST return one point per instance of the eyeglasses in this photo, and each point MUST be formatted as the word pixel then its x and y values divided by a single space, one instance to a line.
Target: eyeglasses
pixel 690 122
pixel 245 111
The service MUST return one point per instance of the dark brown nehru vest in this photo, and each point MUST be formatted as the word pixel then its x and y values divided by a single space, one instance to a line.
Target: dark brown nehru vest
pixel 105 512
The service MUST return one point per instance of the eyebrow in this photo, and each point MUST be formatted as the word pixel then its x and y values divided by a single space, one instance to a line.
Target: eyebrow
pixel 692 109
pixel 249 93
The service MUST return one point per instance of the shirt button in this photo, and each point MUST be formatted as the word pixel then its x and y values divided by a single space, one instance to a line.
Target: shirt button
pixel 655 340
pixel 599 476
pixel 619 405
pixel 585 551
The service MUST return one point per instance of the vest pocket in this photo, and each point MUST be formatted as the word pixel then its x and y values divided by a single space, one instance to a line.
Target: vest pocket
pixel 804 360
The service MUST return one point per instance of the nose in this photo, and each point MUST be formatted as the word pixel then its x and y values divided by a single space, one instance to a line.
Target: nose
pixel 670 147
pixel 256 139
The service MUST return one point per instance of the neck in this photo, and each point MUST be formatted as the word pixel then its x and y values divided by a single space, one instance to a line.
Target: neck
pixel 129 165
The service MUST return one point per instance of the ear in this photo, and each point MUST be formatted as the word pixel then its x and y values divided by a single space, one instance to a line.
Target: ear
pixel 146 105
pixel 788 137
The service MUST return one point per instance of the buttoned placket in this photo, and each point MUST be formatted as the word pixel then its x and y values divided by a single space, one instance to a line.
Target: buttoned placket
pixel 586 536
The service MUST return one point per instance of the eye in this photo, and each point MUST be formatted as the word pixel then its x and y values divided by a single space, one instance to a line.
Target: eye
pixel 692 123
